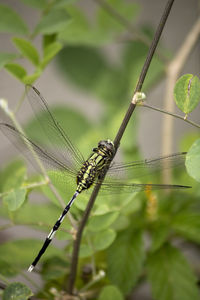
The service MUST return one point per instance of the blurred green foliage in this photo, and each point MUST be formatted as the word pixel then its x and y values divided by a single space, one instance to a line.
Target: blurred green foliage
pixel 114 240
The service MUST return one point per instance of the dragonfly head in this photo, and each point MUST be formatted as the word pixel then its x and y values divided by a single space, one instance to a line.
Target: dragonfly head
pixel 105 146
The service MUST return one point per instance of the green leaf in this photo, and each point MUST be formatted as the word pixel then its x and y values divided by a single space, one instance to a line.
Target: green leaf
pixel 110 292
pixel 49 52
pixel 91 61
pixel 159 235
pixel 187 93
pixel 187 225
pixel 36 4
pixel 78 30
pixel 30 79
pixel 17 291
pixel 109 23
pixel 99 241
pixel 98 223
pixel 11 22
pixel 27 49
pixel 13 175
pixel 193 161
pixel 20 253
pixel 6 58
pixel 15 198
pixel 53 22
pixel 16 70
pixel 125 260
pixel 104 239
pixel 170 275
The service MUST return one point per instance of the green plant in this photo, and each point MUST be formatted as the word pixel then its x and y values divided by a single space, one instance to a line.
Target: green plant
pixel 113 257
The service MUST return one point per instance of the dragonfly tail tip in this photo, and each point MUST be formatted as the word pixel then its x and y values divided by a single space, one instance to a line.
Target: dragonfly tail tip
pixel 30 269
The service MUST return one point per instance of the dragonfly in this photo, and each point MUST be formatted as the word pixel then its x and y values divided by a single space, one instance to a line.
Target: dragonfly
pixel 71 162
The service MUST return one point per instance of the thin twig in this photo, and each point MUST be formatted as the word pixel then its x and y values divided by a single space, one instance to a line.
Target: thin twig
pixel 172 72
pixel 128 25
pixel 170 114
pixel 74 262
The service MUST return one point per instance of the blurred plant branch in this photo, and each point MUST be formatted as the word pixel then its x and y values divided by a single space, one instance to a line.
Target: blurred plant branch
pixel 131 108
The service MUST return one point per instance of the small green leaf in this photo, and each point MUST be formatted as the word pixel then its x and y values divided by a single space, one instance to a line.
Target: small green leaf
pixel 187 93
pixel 193 161
pixel 170 275
pixel 11 22
pixel 6 58
pixel 53 22
pixel 15 198
pixel 49 52
pixel 27 49
pixel 30 79
pixel 98 223
pixel 125 260
pixel 16 70
pixel 110 292
pixel 17 291
pixel 36 4
pixel 13 175
pixel 125 9
pixel 187 225
pixel 103 239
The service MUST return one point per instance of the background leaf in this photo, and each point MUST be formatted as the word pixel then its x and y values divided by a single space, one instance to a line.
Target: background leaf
pixel 11 22
pixel 53 22
pixel 188 225
pixel 171 276
pixel 50 51
pixel 16 70
pixel 125 272
pixel 193 161
pixel 187 93
pixel 27 50
pixel 110 292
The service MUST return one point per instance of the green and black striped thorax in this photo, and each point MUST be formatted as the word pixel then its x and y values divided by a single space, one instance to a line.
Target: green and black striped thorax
pixel 95 165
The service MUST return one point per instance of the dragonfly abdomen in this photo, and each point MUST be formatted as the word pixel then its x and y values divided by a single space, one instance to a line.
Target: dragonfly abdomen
pixel 86 176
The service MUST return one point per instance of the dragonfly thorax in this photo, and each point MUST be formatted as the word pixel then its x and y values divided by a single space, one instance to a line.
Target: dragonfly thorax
pixel 94 166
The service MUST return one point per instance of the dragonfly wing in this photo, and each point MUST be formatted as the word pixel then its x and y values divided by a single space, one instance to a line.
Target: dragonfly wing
pixel 137 169
pixel 52 130
pixel 114 187
pixel 28 148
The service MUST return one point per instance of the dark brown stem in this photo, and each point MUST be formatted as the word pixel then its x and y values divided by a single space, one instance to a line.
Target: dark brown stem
pixel 74 263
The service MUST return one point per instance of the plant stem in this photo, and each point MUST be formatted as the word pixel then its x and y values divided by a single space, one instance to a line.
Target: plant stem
pixel 170 114
pixel 76 247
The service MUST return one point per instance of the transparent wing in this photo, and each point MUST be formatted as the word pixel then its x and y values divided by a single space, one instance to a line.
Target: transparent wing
pixel 24 144
pixel 114 187
pixel 137 169
pixel 61 146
